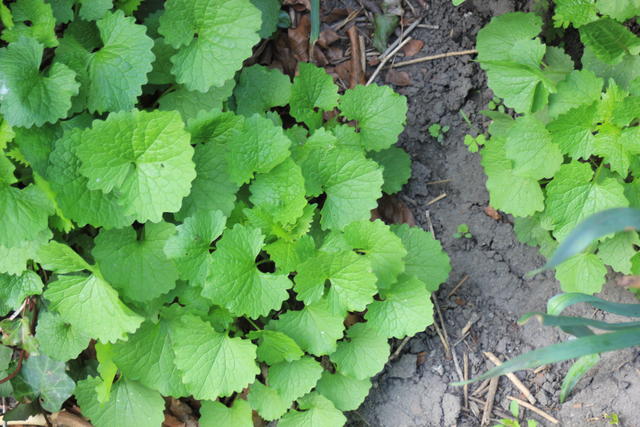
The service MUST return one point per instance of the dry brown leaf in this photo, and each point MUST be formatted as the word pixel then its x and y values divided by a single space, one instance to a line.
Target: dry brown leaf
pixel 357 73
pixel 67 419
pixel 392 210
pixel 171 421
pixel 413 47
pixel 629 281
pixel 299 5
pixel 299 39
pixel 492 213
pixel 334 15
pixel 319 58
pixel 327 37
pixel 352 319
pixel 398 78
pixel 334 54
pixel 283 55
pixel 343 71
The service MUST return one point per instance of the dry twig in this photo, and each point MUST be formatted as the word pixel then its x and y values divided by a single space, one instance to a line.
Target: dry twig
pixel 433 57
pixel 488 407
pixel 436 199
pixel 399 349
pixel 535 409
pixel 465 388
pixel 385 59
pixel 460 283
pixel 516 382
pixel 428 215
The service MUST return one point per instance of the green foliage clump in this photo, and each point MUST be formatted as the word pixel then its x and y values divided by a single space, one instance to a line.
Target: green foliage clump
pixel 571 149
pixel 201 228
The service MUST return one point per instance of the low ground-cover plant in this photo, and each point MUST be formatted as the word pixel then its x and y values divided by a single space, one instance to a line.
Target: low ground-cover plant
pixel 173 228
pixel 570 149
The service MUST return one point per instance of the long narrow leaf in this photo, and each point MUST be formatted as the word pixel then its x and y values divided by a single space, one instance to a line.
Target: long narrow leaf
pixel 594 227
pixel 577 371
pixel 568 321
pixel 558 303
pixel 564 351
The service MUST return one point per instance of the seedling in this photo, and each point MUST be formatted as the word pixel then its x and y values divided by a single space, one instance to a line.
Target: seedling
pixel 463 231
pixel 496 104
pixel 514 408
pixel 437 131
pixel 473 144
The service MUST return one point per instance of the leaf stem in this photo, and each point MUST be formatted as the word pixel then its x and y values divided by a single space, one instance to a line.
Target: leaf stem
pixel 252 323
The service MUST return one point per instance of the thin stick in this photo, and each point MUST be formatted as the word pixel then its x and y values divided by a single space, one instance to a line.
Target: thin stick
pixel 460 283
pixel 433 57
pixel 385 59
pixel 456 364
pixel 444 329
pixel 535 409
pixel 357 73
pixel 363 58
pixel 465 388
pixel 516 382
pixel 488 407
pixel 481 388
pixel 437 199
pixel 429 26
pixel 348 19
pixel 428 215
pixel 445 344
pixel 440 181
pixel 18 311
pixel 539 369
pixel 404 34
pixel 399 349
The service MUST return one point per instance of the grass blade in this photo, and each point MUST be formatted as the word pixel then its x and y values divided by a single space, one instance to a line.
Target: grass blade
pixel 568 321
pixel 564 351
pixel 558 303
pixel 577 371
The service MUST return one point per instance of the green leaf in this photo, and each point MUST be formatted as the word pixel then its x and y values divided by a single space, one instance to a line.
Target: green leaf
pixel 32 19
pixel 289 254
pixel 13 260
pixel 261 88
pixel 189 247
pixel 270 10
pixel 48 379
pixel 574 195
pixel 363 353
pixel 315 411
pixel 379 245
pixel 352 282
pixel 107 370
pixel 144 157
pixel 257 146
pixel 267 402
pixel 425 258
pixel 497 40
pixel 580 87
pixel 213 188
pixel 112 63
pixel 530 231
pixel 579 368
pixel 189 103
pixel 24 214
pixel 214 38
pixel 148 357
pixel 576 12
pixel 236 283
pixel 58 339
pixel 275 347
pixel 313 92
pixel 620 10
pixel 86 301
pixel 30 96
pixel 582 273
pixel 130 404
pixel 346 393
pixel 618 148
pixel 14 289
pixel 396 168
pixel 623 72
pixel 296 378
pixel 517 195
pixel 405 309
pixel 315 328
pixel 61 258
pixel 573 131
pixel 529 146
pixel 137 266
pixel 91 10
pixel 380 122
pixel 77 202
pixel 609 40
pixel 618 251
pixel 213 414
pixel 280 192
pixel 212 364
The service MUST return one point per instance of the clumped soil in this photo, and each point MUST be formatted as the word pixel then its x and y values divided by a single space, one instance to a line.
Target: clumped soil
pixel 414 389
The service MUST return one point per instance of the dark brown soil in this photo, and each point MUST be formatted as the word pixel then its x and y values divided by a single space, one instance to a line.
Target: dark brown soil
pixel 414 388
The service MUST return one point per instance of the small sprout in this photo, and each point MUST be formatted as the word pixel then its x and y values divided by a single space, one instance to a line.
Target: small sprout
pixel 463 231
pixel 473 144
pixel 612 418
pixel 514 408
pixel 437 131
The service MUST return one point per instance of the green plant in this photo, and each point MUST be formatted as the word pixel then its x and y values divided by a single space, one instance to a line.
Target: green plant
pixel 474 144
pixel 462 231
pixel 587 344
pixel 438 131
pixel 572 148
pixel 514 408
pixel 163 234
